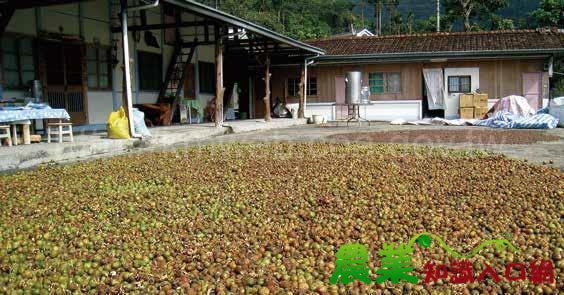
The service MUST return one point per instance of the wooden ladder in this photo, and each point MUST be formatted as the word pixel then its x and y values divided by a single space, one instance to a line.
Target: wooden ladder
pixel 176 76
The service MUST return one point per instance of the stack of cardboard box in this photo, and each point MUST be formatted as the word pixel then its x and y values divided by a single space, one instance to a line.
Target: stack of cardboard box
pixel 473 106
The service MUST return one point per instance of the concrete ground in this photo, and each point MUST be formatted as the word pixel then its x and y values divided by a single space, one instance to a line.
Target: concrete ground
pixel 280 130
pixel 96 145
pixel 549 153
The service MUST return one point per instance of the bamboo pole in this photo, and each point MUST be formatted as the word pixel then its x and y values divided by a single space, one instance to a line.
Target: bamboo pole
pixel 266 99
pixel 220 90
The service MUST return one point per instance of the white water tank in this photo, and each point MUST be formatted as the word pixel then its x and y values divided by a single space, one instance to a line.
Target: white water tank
pixel 353 87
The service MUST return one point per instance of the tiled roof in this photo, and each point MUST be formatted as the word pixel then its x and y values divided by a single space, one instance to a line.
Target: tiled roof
pixel 443 42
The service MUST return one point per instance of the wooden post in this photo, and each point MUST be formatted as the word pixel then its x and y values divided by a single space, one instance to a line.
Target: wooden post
pixel 267 90
pixel 220 90
pixel 301 112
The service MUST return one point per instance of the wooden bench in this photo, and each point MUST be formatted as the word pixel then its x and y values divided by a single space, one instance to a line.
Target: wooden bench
pixel 6 134
pixel 60 130
pixel 24 128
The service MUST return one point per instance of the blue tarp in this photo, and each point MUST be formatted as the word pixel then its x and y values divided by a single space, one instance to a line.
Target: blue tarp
pixel 504 119
pixel 33 114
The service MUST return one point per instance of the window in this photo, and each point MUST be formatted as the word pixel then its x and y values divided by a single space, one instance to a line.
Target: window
pixel 293 87
pixel 97 62
pixel 150 71
pixel 18 62
pixel 312 86
pixel 459 84
pixel 207 77
pixel 384 82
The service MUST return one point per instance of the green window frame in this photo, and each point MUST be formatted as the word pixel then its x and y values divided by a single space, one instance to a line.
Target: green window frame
pixel 150 71
pixel 18 62
pixel 376 82
pixel 98 65
pixel 382 82
pixel 206 72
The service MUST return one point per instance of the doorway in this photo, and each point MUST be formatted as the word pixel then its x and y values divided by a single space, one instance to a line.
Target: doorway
pixel 341 110
pixel 64 75
pixel 532 89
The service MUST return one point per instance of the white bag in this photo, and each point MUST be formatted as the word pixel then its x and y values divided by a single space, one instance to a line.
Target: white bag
pixel 556 109
pixel 139 123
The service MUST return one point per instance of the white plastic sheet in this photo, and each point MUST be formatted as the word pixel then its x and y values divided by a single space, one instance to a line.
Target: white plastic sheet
pixel 516 105
pixel 556 109
pixel 139 123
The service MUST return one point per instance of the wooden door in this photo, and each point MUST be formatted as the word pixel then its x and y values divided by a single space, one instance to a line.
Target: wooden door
pixel 63 66
pixel 341 110
pixel 532 89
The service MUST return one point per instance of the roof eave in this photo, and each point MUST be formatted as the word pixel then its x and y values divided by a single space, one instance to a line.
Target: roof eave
pixel 446 54
pixel 243 24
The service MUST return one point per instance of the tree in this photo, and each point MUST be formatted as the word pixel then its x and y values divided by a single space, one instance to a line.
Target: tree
pixel 550 14
pixel 299 19
pixel 430 24
pixel 500 23
pixel 469 9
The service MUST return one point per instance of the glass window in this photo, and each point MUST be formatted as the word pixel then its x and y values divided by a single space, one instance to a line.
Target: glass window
pixel 393 82
pixel 376 82
pixel 384 82
pixel 150 71
pixel 459 84
pixel 312 86
pixel 293 87
pixel 207 77
pixel 98 67
pixel 18 61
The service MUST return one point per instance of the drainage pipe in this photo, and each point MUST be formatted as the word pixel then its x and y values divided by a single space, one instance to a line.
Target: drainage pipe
pixel 308 61
pixel 126 62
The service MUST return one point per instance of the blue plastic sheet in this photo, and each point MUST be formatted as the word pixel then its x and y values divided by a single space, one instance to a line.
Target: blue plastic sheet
pixel 508 120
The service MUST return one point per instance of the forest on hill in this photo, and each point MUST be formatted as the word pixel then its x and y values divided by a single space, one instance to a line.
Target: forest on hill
pixel 311 19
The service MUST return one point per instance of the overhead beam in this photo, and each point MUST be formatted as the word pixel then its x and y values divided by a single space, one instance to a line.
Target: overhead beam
pixel 197 43
pixel 24 4
pixel 163 26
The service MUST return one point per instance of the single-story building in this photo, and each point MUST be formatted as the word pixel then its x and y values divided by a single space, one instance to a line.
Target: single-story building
pixel 400 71
pixel 178 48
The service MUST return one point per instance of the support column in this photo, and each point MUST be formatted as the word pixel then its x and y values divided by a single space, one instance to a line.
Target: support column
pixel 301 109
pixel 267 90
pixel 220 90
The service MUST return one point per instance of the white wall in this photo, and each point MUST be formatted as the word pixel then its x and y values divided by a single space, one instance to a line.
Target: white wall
pixel 99 106
pixel 453 100
pixel 376 111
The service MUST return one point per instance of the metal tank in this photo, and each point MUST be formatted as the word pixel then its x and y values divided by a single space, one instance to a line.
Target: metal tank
pixel 353 87
pixel 36 90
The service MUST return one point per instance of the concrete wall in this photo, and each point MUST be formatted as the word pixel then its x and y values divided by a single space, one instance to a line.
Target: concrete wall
pixel 94 28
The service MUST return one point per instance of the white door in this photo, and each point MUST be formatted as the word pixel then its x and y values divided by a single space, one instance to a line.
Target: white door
pixel 459 81
pixel 341 110
pixel 532 89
